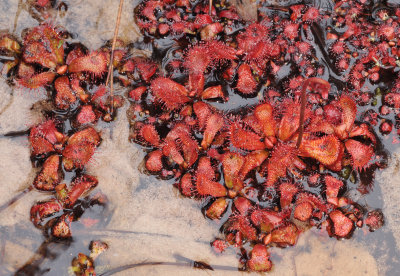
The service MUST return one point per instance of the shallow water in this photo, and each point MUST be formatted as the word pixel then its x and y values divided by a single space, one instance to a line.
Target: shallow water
pixel 147 220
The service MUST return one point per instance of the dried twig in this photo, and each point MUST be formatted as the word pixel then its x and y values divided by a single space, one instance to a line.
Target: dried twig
pixel 184 263
pixel 15 198
pixel 111 67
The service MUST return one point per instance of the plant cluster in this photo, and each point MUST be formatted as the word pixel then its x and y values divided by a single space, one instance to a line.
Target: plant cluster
pixel 65 142
pixel 262 120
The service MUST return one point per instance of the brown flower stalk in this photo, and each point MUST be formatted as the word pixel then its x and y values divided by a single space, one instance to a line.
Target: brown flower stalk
pixel 302 111
pixel 111 67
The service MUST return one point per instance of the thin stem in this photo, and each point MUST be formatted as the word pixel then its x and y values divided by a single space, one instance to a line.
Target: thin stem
pixel 15 198
pixel 126 267
pixel 210 7
pixel 302 111
pixel 193 264
pixel 318 85
pixel 20 7
pixel 17 133
pixel 111 67
pixel 112 90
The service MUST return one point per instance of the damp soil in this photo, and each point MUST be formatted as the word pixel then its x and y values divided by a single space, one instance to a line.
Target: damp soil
pixel 150 228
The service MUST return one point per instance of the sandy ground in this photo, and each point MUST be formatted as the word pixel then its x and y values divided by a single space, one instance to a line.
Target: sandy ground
pixel 150 221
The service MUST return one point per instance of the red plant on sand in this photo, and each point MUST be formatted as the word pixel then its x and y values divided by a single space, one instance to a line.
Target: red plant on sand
pixel 257 155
